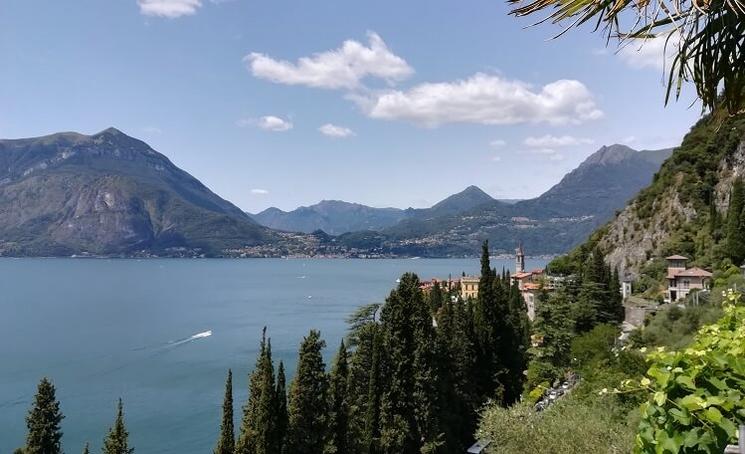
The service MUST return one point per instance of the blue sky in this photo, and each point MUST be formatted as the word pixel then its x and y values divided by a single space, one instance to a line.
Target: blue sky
pixel 282 103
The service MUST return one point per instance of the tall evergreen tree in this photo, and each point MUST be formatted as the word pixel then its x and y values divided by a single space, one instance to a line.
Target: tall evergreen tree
pixel 487 324
pixel 409 401
pixel 117 440
pixel 371 427
pixel 735 225
pixel 258 428
pixel 281 405
pixel 226 443
pixel 86 448
pixel 43 422
pixel 307 406
pixel 364 367
pixel 338 403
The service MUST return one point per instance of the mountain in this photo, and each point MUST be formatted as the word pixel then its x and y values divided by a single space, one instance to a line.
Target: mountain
pixel 553 223
pixel 684 210
pixel 110 194
pixel 468 199
pixel 336 217
pixel 332 216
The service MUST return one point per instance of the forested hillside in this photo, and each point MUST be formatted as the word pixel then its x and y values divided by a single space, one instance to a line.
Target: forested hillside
pixel 694 206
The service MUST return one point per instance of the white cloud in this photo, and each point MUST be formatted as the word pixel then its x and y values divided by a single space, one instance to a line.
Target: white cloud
pixel 650 53
pixel 335 131
pixel 496 158
pixel 259 191
pixel 549 141
pixel 543 150
pixel 169 8
pixel 497 143
pixel 485 99
pixel 267 123
pixel 342 68
pixel 272 123
pixel 556 157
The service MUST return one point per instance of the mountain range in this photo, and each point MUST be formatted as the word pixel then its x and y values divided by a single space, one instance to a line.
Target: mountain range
pixel 111 194
pixel 336 217
pixel 552 223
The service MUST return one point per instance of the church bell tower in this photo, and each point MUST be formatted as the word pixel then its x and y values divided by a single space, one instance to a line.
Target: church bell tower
pixel 519 259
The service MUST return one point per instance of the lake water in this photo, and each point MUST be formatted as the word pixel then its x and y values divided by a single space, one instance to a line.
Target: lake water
pixel 102 329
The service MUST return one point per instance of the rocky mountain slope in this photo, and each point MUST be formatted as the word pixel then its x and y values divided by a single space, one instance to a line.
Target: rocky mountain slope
pixel 553 223
pixel 684 209
pixel 109 193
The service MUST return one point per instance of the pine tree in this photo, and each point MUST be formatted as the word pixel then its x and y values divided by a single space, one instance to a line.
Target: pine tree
pixel 226 443
pixel 258 428
pixel 307 406
pixel 117 440
pixel 281 412
pixel 487 323
pixel 735 231
pixel 43 422
pixel 338 403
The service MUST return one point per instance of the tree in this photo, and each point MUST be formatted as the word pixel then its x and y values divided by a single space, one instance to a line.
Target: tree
pixel 338 404
pixel 86 448
pixel 409 401
pixel 258 428
pixel 308 399
pixel 43 422
pixel 553 329
pixel 735 227
pixel 704 37
pixel 226 443
pixel 281 405
pixel 117 440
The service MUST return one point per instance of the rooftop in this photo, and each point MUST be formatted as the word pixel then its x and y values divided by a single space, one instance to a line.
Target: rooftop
pixel 693 272
pixel 676 257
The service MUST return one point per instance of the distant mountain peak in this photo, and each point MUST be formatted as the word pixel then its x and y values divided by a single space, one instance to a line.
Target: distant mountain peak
pixel 610 154
pixel 468 198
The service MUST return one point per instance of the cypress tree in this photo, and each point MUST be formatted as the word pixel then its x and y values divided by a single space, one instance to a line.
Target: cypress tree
pixel 338 403
pixel 117 440
pixel 735 232
pixel 409 402
pixel 307 406
pixel 371 427
pixel 86 448
pixel 43 422
pixel 363 370
pixel 258 434
pixel 226 443
pixel 281 405
pixel 487 323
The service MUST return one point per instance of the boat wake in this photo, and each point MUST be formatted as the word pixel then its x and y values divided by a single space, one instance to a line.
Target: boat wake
pixel 191 338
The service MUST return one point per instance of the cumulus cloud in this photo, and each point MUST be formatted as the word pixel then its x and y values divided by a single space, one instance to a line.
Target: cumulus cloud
pixel 169 8
pixel 342 68
pixel 272 123
pixel 650 53
pixel 549 141
pixel 267 123
pixel 335 131
pixel 497 143
pixel 485 99
pixel 259 191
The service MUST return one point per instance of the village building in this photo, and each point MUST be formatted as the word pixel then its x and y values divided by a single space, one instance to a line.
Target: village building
pixel 469 287
pixel 682 280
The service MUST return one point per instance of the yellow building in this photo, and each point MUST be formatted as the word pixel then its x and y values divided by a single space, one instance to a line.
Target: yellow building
pixel 469 287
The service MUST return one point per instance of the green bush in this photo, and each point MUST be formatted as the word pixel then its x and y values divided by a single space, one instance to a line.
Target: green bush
pixel 696 396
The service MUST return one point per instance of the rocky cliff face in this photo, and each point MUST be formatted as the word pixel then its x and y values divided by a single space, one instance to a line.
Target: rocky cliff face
pixel 109 193
pixel 676 211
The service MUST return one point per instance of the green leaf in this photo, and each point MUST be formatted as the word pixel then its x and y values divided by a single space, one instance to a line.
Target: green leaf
pixel 713 414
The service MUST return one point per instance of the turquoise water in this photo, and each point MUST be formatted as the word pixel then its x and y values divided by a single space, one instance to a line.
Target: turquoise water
pixel 104 329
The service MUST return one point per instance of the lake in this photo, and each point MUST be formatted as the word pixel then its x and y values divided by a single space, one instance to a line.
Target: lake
pixel 104 329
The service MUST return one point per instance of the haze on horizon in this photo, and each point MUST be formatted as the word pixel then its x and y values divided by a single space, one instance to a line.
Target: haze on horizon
pixel 283 104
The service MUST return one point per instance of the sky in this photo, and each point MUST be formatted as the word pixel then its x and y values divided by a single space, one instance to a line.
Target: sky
pixel 285 103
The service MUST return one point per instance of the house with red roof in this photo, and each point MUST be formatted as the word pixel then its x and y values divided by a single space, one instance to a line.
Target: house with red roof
pixel 683 280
